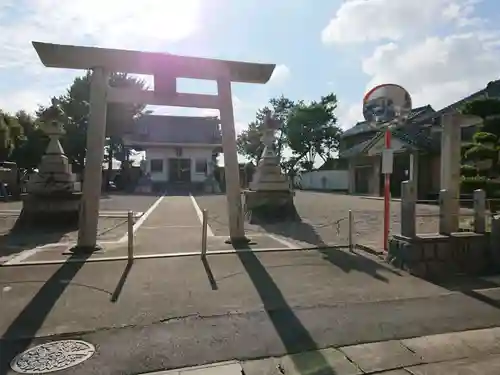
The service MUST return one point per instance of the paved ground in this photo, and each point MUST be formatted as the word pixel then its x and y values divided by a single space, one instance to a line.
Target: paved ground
pixel 168 313
pixel 109 202
pixel 469 352
pixel 324 219
pixel 173 226
pixel 181 311
pixel 112 226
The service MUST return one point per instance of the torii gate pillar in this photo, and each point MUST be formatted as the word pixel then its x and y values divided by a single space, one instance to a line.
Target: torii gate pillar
pixel 231 166
pixel 167 68
pixel 92 177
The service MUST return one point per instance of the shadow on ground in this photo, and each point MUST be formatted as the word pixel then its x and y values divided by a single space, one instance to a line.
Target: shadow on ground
pixel 294 336
pixel 18 237
pixel 472 286
pixel 18 336
pixel 346 260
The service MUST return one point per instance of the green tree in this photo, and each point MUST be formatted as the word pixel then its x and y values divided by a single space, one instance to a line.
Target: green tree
pixel 11 135
pixel 76 108
pixel 481 167
pixel 249 141
pixel 311 132
pixel 29 150
pixel 307 130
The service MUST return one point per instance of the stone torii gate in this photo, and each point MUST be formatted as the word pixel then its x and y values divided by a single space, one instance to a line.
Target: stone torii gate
pixel 166 69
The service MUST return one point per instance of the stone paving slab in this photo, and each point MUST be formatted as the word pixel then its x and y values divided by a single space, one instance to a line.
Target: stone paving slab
pixel 325 361
pixel 391 358
pixel 485 366
pixel 226 368
pixel 381 356
pixel 455 345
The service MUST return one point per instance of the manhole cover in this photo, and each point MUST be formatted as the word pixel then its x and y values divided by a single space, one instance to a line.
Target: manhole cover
pixel 52 356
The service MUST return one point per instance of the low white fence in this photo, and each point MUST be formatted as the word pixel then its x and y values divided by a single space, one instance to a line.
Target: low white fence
pixel 323 180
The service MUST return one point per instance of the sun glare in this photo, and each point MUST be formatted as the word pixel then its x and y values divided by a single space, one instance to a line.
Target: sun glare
pixel 169 19
pixel 125 23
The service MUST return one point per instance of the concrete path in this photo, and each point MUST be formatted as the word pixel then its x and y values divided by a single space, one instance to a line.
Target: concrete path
pixel 178 312
pixel 168 313
pixel 461 353
pixel 170 227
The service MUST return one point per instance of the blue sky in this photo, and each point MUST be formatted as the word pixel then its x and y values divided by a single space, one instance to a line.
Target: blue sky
pixel 440 50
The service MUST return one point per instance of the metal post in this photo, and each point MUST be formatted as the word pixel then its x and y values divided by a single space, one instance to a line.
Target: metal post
pixel 351 231
pixel 204 227
pixel 130 232
pixel 387 194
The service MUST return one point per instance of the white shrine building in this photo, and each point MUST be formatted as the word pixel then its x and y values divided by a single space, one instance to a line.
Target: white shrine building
pixel 178 149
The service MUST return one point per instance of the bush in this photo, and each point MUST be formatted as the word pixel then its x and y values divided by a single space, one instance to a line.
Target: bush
pixel 480 152
pixel 485 137
pixel 468 171
pixel 469 184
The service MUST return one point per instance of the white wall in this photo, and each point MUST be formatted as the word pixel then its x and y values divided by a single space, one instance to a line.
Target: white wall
pixel 324 180
pixel 167 153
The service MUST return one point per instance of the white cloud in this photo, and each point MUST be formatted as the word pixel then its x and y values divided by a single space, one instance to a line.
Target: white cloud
pixel 127 24
pixel 349 114
pixel 437 70
pixel 374 20
pixel 280 74
pixel 25 99
pixel 110 23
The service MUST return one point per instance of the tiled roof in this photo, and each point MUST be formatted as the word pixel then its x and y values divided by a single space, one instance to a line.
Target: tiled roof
pixel 355 150
pixel 415 131
pixel 492 90
pixel 365 126
pixel 410 132
pixel 177 129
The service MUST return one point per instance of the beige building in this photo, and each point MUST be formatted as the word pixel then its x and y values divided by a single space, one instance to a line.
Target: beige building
pixel 416 145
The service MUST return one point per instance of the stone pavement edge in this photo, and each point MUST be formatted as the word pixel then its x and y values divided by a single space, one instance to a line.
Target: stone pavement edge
pixel 474 352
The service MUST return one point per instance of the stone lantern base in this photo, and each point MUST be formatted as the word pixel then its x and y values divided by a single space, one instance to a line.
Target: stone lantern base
pixel 55 209
pixel 269 206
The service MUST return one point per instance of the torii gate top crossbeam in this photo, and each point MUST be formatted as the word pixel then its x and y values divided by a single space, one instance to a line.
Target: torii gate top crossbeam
pixel 77 57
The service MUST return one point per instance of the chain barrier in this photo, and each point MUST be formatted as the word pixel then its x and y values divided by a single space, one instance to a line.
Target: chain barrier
pixel 331 224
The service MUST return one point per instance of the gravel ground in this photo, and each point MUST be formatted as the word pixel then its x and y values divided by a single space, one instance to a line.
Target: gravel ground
pixel 324 219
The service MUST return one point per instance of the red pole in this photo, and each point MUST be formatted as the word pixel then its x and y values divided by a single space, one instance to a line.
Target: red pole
pixel 387 194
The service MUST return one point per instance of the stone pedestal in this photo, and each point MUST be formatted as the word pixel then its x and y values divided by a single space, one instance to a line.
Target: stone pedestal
pixel 435 256
pixel 52 197
pixel 269 206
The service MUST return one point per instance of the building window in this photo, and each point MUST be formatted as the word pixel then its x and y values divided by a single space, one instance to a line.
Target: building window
pixel 201 166
pixel 156 165
pixel 178 152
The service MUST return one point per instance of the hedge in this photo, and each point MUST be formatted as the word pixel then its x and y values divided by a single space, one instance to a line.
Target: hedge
pixel 469 184
pixel 468 170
